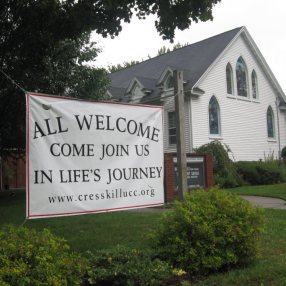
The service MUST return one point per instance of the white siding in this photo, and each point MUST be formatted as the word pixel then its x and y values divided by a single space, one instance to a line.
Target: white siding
pixel 169 106
pixel 243 121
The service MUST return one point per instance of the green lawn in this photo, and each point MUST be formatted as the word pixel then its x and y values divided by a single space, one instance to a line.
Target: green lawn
pixel 275 191
pixel 130 228
pixel 84 232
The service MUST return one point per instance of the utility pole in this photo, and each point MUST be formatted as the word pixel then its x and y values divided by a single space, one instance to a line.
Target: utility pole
pixel 180 128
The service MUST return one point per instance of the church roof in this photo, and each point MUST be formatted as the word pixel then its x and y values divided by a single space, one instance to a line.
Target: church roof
pixel 192 59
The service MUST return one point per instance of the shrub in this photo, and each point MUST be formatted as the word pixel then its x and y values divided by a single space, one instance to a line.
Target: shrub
pixel 283 152
pixel 125 266
pixel 209 231
pixel 224 169
pixel 28 257
pixel 261 173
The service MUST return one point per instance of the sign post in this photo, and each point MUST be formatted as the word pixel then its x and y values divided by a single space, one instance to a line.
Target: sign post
pixel 180 127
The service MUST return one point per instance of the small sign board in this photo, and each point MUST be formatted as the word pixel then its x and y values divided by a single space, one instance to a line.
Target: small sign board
pixel 195 172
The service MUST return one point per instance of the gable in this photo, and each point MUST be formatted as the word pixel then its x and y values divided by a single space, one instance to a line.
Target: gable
pixel 247 49
pixel 193 59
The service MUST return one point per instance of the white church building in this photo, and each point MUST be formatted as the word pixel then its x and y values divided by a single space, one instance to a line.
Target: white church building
pixel 231 95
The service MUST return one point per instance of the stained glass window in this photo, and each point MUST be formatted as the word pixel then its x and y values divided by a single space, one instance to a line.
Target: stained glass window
pixel 270 123
pixel 172 128
pixel 229 81
pixel 214 117
pixel 254 85
pixel 241 77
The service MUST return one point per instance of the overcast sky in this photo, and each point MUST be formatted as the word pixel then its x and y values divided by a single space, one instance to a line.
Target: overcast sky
pixel 265 20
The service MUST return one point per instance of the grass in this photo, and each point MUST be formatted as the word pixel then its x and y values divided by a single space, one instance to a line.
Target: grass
pixel 84 232
pixel 275 191
pixel 131 228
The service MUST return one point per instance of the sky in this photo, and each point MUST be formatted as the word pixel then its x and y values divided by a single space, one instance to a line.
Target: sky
pixel 265 21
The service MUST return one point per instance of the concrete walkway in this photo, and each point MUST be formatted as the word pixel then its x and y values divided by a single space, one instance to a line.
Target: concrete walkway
pixel 266 202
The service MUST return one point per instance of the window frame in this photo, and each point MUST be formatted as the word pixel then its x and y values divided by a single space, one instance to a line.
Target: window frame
pixel 229 69
pixel 172 138
pixel 271 113
pixel 218 134
pixel 169 79
pixel 254 81
pixel 136 92
pixel 240 61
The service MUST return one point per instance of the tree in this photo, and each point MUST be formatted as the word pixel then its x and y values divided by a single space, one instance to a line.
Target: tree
pixel 44 46
pixel 40 58
pixel 164 49
pixel 114 68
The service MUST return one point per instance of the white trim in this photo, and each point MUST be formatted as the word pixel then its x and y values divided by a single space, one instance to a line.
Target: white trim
pixel 190 124
pixel 163 75
pixel 213 137
pixel 131 84
pixel 264 64
pixel 219 135
pixel 274 138
pixel 231 79
pixel 247 79
pixel 243 98
pixel 204 75
pixel 257 54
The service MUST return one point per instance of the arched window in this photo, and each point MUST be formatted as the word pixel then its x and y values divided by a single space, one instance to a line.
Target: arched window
pixel 169 83
pixel 214 117
pixel 254 85
pixel 241 77
pixel 270 123
pixel 229 79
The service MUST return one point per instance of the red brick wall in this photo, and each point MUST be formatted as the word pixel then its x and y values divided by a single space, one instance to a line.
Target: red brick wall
pixel 14 172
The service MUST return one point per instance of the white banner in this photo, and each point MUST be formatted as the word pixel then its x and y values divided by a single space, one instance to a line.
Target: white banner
pixel 88 157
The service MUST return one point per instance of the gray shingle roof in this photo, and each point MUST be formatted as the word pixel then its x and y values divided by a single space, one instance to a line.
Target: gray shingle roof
pixel 193 59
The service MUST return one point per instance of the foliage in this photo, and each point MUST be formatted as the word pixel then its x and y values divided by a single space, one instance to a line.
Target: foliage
pixel 224 169
pixel 164 49
pixel 209 231
pixel 283 152
pixel 114 68
pixel 261 173
pixel 126 266
pixel 45 50
pixel 44 46
pixel 35 258
pixel 273 191
pixel 103 231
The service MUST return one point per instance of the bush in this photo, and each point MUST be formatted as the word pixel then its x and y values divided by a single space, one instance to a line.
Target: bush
pixel 124 266
pixel 261 173
pixel 224 169
pixel 209 231
pixel 283 152
pixel 35 258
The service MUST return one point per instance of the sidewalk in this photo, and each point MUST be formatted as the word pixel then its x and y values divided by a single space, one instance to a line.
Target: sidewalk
pixel 266 202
